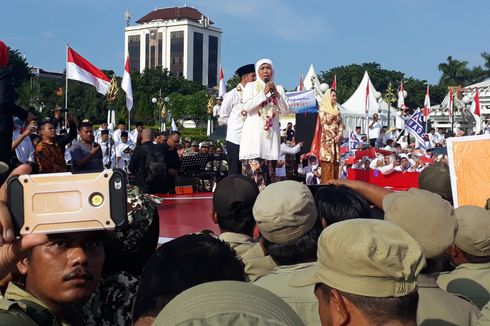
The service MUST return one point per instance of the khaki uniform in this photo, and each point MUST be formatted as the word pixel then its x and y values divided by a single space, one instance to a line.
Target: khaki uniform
pixel 241 243
pixel 484 316
pixel 20 308
pixel 301 299
pixel 438 307
pixel 257 263
pixel 469 280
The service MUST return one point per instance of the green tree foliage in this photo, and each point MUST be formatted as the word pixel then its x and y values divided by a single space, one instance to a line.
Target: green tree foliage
pixel 232 82
pixel 349 77
pixel 457 72
pixel 19 67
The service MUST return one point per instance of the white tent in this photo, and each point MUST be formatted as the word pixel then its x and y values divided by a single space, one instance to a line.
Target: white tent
pixel 311 82
pixel 353 110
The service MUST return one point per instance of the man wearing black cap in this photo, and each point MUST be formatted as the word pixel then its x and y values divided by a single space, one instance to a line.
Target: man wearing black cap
pixel 231 114
pixel 233 201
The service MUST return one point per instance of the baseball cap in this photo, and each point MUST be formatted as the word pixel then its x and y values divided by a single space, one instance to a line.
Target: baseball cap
pixel 473 234
pixel 234 196
pixel 427 217
pixel 285 211
pixel 366 257
pixel 227 303
pixel 435 178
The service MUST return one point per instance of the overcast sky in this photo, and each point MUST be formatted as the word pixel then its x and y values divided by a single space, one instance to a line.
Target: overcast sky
pixel 410 36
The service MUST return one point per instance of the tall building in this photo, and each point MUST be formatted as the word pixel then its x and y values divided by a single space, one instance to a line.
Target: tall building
pixel 181 39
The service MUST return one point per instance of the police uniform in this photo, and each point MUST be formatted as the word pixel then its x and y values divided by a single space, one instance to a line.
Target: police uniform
pixel 431 221
pixel 471 280
pixel 241 243
pixel 20 308
pixel 301 299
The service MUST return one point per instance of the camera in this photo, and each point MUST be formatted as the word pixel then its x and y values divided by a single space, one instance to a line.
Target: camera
pixel 66 202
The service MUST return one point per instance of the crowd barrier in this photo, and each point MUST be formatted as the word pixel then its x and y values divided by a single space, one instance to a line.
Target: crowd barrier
pixel 394 180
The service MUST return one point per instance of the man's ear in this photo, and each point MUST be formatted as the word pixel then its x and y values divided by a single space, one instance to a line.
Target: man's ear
pixel 324 223
pixel 23 265
pixel 453 251
pixel 338 309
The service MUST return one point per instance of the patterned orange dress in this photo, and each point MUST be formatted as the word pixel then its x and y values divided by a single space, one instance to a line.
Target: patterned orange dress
pixel 329 150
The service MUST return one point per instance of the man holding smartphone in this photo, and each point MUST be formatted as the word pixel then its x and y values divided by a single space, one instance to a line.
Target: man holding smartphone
pixel 86 155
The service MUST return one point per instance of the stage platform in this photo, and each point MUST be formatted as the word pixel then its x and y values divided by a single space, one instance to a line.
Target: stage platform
pixel 182 214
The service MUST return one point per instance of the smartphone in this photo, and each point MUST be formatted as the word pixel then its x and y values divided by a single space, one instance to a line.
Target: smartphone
pixel 66 202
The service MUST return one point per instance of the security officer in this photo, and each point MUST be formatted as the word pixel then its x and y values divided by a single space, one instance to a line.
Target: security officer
pixel 470 252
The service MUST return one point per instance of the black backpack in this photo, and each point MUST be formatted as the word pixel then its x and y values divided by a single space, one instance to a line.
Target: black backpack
pixel 156 167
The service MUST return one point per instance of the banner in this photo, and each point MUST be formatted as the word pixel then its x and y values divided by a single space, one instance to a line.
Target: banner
pixel 394 180
pixel 469 169
pixel 302 101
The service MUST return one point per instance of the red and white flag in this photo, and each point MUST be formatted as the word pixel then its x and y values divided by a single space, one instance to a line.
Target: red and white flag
pixel 301 86
pixel 451 102
pixel 334 83
pixel 401 97
pixel 475 106
pixel 427 104
pixel 78 68
pixel 126 85
pixel 221 86
pixel 366 108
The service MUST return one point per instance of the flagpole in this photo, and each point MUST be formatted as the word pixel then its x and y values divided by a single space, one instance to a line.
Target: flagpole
pixel 66 85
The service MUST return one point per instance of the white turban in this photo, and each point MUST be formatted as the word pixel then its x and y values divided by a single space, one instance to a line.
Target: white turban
pixel 260 63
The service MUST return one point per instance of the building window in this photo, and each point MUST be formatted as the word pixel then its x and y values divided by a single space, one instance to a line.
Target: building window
pixel 160 48
pixel 198 57
pixel 213 62
pixel 177 53
pixel 147 51
pixel 134 52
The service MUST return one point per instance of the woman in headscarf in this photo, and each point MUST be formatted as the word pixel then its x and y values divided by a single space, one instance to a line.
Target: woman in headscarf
pixel 332 128
pixel 262 102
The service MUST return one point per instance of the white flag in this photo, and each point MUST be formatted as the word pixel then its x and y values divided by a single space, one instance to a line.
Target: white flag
pixel 173 127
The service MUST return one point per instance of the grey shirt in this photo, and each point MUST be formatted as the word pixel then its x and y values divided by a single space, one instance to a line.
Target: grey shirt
pixel 78 151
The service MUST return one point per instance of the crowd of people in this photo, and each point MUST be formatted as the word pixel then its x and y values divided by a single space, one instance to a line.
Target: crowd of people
pixel 327 251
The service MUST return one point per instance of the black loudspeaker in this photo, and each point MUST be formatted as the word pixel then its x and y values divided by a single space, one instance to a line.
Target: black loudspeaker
pixel 305 129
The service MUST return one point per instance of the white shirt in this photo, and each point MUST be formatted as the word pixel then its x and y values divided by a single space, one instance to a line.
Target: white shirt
pixel 25 149
pixel 285 149
pixel 216 110
pixel 116 136
pixel 97 135
pixel 374 130
pixel 487 129
pixel 124 157
pixel 133 135
pixel 108 154
pixel 400 120
pixel 231 114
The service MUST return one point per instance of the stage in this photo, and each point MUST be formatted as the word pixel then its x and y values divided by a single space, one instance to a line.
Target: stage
pixel 183 214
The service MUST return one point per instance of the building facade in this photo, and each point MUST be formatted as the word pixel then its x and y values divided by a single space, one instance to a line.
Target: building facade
pixel 181 39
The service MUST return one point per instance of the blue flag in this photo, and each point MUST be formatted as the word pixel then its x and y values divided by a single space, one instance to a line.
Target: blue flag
pixel 415 126
pixel 353 141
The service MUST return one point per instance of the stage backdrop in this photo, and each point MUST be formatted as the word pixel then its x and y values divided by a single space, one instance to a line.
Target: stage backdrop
pixel 304 104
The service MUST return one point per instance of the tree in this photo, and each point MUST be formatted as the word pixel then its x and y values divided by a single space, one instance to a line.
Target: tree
pixel 232 82
pixel 454 72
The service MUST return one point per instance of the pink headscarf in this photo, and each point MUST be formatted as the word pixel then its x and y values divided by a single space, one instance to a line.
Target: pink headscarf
pixel 4 55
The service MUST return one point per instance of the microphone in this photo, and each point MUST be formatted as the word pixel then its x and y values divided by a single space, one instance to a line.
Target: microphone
pixel 266 80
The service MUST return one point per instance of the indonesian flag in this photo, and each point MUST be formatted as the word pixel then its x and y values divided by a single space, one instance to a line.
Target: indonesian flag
pixel 475 106
pixel 450 104
pixel 366 104
pixel 401 97
pixel 78 68
pixel 301 86
pixel 427 104
pixel 334 83
pixel 222 86
pixel 126 85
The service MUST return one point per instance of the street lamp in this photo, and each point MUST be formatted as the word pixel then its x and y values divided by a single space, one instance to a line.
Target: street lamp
pixel 162 111
pixel 389 99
